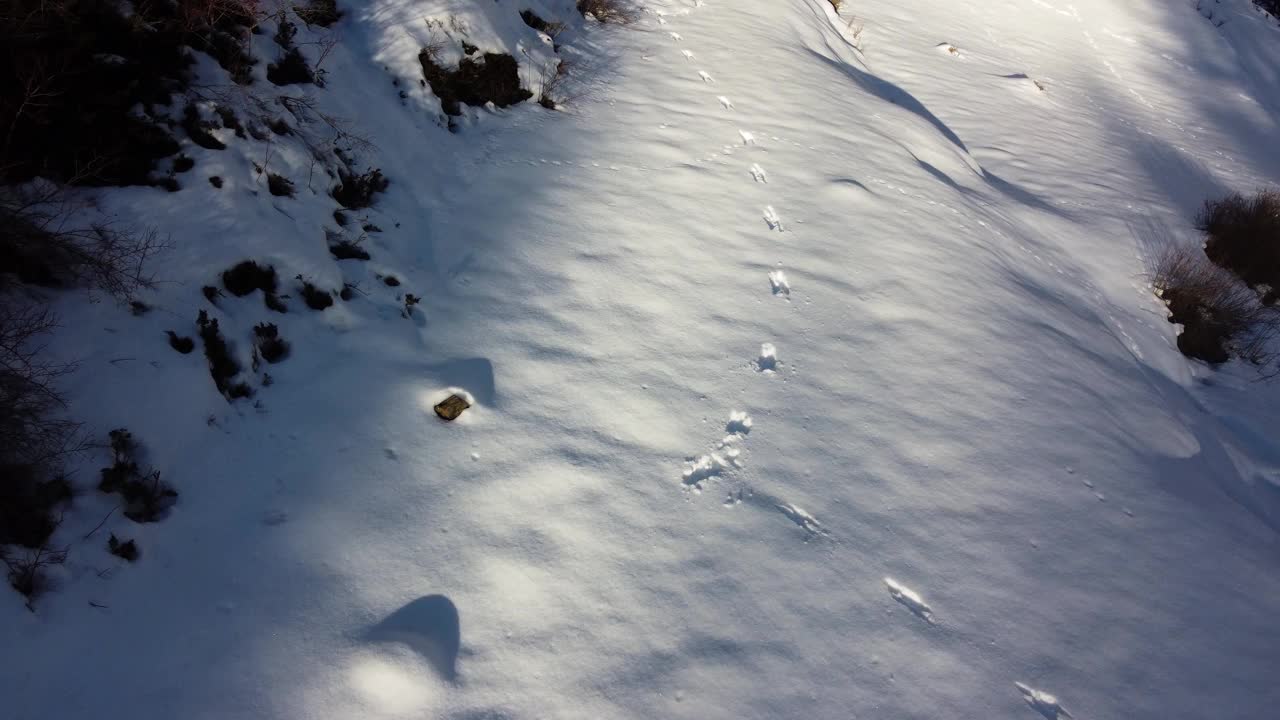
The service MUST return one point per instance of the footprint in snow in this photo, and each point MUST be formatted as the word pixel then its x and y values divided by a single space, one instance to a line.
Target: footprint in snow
pixel 768 360
pixel 739 423
pixel 1028 80
pixel 778 281
pixel 676 36
pixel 726 102
pixel 758 174
pixel 798 516
pixel 706 77
pixel 723 458
pixel 687 55
pixel 704 468
pixel 910 599
pixel 747 138
pixel 771 217
pixel 1043 703
pixel 948 48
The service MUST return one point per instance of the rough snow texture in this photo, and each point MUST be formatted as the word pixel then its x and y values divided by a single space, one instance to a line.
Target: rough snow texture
pixel 970 350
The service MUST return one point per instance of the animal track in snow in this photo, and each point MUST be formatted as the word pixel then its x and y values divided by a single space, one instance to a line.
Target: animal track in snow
pixel 687 55
pixel 723 458
pixel 1027 79
pixel 726 102
pixel 758 174
pixel 768 360
pixel 1043 703
pixel 676 36
pixel 778 281
pixel 739 423
pixel 771 217
pixel 910 599
pixel 703 468
pixel 706 77
pixel 803 519
pixel 747 138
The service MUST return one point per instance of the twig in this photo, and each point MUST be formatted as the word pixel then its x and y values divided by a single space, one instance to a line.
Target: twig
pixel 99 525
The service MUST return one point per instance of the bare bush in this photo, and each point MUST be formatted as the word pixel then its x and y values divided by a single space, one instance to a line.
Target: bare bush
pixel 550 27
pixel 305 110
pixel 30 432
pixel 319 12
pixel 1243 235
pixel 619 12
pixel 551 91
pixel 33 438
pixel 26 570
pixel 1220 316
pixel 198 14
pixel 42 243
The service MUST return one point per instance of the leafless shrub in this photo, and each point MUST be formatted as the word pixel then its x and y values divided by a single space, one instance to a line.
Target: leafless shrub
pixel 30 431
pixel 551 88
pixel 1242 234
pixel 26 570
pixel 340 131
pixel 1221 316
pixel 619 12
pixel 319 12
pixel 42 242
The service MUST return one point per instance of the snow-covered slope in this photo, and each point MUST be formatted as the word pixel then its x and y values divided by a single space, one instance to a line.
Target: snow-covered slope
pixel 809 382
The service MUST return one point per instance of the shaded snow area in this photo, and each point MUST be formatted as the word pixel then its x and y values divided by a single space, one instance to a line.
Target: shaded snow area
pixel 755 327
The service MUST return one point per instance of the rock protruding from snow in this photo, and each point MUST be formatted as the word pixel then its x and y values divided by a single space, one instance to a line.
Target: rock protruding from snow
pixel 451 407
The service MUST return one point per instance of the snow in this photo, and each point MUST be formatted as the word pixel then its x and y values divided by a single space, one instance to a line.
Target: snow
pixel 972 361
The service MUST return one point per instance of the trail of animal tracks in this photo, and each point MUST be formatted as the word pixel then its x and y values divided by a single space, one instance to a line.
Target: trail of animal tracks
pixel 807 381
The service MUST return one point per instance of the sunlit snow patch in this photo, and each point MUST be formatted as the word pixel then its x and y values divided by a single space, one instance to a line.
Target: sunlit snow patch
pixel 397 686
